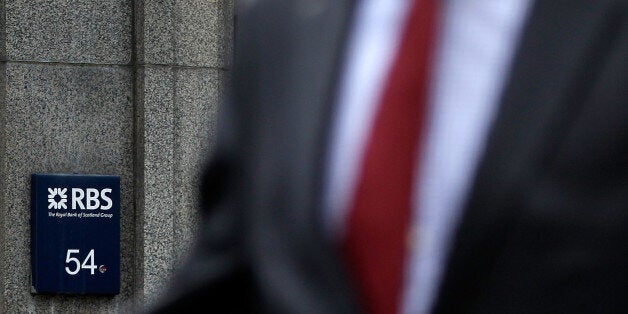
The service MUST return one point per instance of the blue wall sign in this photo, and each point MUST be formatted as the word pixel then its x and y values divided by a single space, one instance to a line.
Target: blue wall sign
pixel 75 233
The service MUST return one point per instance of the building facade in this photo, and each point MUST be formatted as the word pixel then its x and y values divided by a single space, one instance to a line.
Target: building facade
pixel 117 87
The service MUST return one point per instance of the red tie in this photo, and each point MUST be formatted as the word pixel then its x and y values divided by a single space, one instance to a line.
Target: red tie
pixel 376 239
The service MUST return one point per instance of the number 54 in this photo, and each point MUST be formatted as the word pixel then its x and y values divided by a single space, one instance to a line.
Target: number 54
pixel 88 262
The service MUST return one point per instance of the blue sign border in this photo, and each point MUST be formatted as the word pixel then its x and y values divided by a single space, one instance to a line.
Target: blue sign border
pixel 75 250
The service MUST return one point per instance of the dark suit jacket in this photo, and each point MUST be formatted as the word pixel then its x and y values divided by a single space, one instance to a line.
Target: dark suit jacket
pixel 545 229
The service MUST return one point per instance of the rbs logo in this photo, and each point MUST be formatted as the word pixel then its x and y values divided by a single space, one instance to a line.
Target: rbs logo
pixel 88 198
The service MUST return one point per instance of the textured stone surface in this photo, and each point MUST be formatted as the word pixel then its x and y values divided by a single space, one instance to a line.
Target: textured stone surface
pixel 189 33
pixel 198 98
pixel 63 119
pixel 127 87
pixel 155 172
pixel 176 117
pixel 3 33
pixel 78 31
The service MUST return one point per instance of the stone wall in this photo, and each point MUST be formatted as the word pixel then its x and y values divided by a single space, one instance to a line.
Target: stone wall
pixel 119 87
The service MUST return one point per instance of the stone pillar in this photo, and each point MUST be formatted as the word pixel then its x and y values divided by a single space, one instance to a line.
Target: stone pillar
pixel 183 52
pixel 109 87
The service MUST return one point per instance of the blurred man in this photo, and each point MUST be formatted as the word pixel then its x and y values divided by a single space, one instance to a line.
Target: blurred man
pixel 516 184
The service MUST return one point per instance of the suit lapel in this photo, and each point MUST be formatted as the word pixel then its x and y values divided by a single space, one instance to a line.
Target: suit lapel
pixel 301 65
pixel 560 47
pixel 317 37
